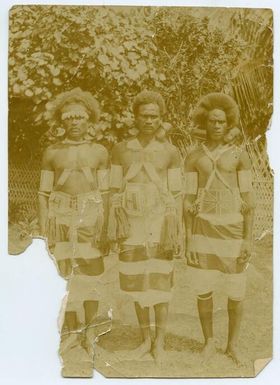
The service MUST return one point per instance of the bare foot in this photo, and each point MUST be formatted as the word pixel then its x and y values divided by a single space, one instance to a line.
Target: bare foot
pixel 157 351
pixel 232 352
pixel 209 350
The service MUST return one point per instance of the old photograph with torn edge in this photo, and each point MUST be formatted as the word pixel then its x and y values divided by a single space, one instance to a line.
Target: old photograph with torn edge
pixel 137 150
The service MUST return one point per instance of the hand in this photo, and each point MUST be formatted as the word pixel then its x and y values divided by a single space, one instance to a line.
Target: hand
pixel 191 258
pixel 116 200
pixel 114 247
pixel 245 252
pixel 177 251
pixel 192 209
pixel 104 244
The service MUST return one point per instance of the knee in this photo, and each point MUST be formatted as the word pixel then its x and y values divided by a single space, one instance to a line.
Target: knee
pixel 235 305
pixel 90 305
pixel 205 297
pixel 90 267
pixel 161 307
pixel 65 267
pixel 70 321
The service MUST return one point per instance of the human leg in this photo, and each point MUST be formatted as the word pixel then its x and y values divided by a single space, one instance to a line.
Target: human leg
pixel 235 312
pixel 204 282
pixel 205 311
pixel 70 323
pixel 90 309
pixel 74 351
pixel 161 315
pixel 143 316
pixel 235 285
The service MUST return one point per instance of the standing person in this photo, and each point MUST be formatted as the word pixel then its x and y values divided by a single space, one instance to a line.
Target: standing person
pixel 219 216
pixel 145 179
pixel 72 204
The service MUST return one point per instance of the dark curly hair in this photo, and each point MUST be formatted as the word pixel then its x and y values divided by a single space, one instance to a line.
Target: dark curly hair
pixel 53 108
pixel 216 100
pixel 147 97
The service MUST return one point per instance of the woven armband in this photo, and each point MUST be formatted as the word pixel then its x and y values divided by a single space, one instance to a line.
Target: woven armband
pixel 43 194
pixel 191 183
pixel 46 180
pixel 174 178
pixel 245 181
pixel 103 179
pixel 116 176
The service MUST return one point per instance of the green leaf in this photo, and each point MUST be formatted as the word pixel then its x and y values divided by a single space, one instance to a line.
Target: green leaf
pixel 29 93
pixel 55 71
pixel 58 36
pixel 90 65
pixel 22 74
pixel 141 67
pixel 103 59
pixel 131 74
pixel 57 81
pixel 16 88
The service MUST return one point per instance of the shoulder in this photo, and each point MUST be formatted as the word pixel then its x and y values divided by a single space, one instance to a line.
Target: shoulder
pixel 119 147
pixel 55 146
pixel 100 148
pixel 48 156
pixel 244 160
pixel 51 150
pixel 170 148
pixel 194 155
pixel 117 150
pixel 174 154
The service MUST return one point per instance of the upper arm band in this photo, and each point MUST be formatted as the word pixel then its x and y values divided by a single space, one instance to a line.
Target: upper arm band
pixel 245 180
pixel 103 179
pixel 46 180
pixel 116 176
pixel 174 178
pixel 191 181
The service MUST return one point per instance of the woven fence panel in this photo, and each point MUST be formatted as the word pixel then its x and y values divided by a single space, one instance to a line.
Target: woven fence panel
pixel 263 187
pixel 24 184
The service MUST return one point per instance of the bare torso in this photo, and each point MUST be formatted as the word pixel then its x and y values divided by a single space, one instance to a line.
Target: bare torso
pixel 227 165
pixel 75 157
pixel 164 157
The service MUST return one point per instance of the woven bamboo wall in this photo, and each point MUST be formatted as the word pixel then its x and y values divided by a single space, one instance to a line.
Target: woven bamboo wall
pixel 24 184
pixel 263 187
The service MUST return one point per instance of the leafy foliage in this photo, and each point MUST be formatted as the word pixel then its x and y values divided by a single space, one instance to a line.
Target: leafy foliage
pixel 114 53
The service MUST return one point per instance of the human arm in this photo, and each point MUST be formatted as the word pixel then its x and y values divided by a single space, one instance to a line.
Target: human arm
pixel 45 188
pixel 244 174
pixel 191 186
pixel 103 186
pixel 172 235
pixel 118 226
pixel 116 172
pixel 174 172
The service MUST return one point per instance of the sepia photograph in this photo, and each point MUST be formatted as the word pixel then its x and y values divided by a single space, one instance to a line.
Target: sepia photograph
pixel 138 153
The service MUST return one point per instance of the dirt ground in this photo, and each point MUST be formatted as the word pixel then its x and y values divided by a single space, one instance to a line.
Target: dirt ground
pixel 183 340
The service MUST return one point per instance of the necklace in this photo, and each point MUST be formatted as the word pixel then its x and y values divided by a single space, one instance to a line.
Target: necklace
pixel 75 142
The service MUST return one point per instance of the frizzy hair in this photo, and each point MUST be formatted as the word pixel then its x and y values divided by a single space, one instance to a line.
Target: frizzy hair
pixel 76 95
pixel 148 97
pixel 212 101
